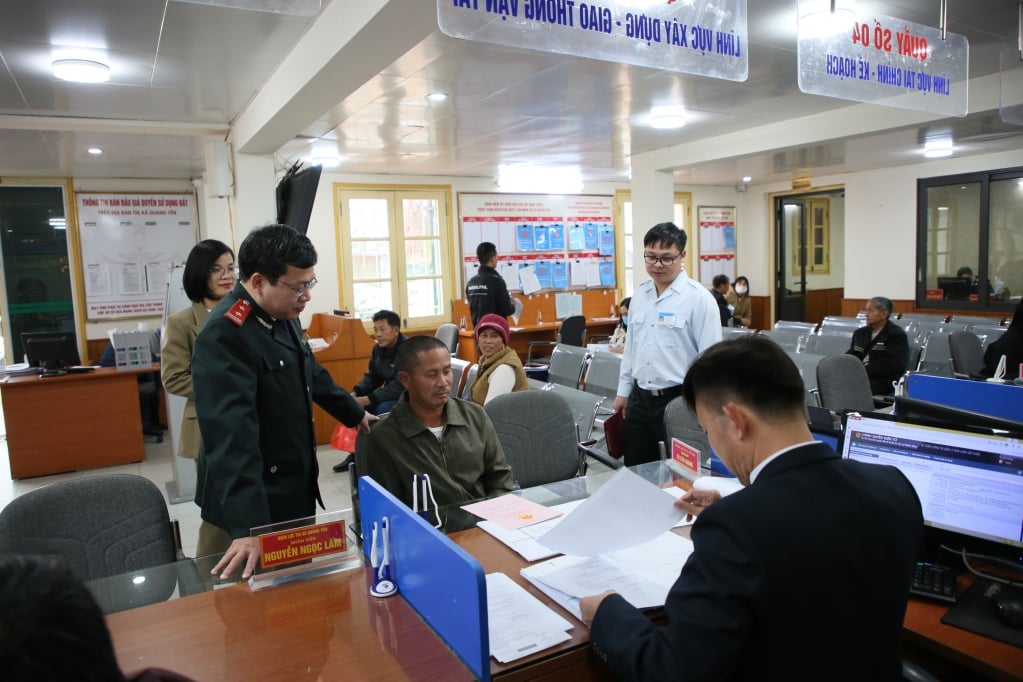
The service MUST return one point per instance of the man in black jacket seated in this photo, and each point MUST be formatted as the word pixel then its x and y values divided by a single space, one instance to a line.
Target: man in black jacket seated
pixel 803 574
pixel 882 345
pixel 379 388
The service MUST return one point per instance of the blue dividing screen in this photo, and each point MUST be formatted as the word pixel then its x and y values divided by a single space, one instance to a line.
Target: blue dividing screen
pixel 440 580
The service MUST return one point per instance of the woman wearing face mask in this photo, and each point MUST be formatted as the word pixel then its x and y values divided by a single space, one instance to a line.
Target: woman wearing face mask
pixel 738 297
pixel 617 342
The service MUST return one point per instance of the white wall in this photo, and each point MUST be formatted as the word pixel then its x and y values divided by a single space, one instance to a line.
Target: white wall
pixel 880 222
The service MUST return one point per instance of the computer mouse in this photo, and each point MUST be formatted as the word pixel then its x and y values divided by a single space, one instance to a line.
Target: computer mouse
pixel 1010 609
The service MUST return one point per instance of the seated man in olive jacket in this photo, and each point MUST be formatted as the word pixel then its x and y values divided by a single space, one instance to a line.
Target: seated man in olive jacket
pixel 882 346
pixel 428 432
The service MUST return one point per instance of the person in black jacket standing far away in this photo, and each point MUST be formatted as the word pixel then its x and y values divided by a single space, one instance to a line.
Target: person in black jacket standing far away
pixel 486 291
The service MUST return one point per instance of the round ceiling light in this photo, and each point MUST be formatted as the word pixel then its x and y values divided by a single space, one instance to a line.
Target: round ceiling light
pixel 81 70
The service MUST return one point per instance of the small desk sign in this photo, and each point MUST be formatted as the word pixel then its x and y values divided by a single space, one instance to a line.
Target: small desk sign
pixel 304 548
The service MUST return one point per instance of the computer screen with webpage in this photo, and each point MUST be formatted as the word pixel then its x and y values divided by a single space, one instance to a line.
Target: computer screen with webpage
pixel 968 482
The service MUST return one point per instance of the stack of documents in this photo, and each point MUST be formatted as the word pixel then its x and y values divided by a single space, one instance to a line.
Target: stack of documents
pixel 519 623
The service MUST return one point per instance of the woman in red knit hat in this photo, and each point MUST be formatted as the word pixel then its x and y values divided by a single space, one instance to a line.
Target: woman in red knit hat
pixel 500 370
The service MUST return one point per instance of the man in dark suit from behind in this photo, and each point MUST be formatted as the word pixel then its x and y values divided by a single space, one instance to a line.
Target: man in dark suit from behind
pixel 803 574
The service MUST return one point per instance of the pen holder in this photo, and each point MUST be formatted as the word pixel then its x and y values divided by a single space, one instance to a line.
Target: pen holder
pixel 380 559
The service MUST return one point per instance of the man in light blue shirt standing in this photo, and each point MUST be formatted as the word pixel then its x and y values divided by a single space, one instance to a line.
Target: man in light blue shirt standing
pixel 672 319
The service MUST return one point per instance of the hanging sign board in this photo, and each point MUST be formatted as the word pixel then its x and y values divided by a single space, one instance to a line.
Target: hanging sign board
pixel 884 60
pixel 702 37
pixel 129 244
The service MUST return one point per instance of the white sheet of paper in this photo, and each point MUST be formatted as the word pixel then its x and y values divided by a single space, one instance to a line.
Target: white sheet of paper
pixel 530 283
pixel 643 575
pixel 593 273
pixel 624 512
pixel 519 623
pixel 577 273
pixel 510 273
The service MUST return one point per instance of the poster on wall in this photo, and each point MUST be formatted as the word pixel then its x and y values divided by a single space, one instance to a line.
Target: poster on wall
pixel 129 243
pixel 530 231
pixel 717 242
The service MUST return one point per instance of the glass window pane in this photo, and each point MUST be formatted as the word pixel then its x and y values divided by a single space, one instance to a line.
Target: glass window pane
pixel 425 298
pixel 371 260
pixel 368 218
pixel 422 257
pixel 371 297
pixel 957 209
pixel 422 217
pixel 1005 235
pixel 33 243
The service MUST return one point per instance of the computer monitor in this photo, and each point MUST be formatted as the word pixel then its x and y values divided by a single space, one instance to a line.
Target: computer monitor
pixel 956 288
pixel 944 415
pixel 969 481
pixel 50 350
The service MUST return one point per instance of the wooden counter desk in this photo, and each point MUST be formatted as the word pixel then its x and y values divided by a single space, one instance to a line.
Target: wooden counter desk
pixel 73 421
pixel 327 628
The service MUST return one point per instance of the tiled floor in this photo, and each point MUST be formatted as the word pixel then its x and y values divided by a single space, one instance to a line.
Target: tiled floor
pixel 158 468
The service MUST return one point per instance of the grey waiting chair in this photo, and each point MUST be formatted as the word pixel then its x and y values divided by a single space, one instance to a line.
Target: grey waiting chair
pixel 470 376
pixel 567 366
pixel 458 367
pixel 967 354
pixel 602 374
pixel 987 333
pixel 681 423
pixel 729 332
pixel 807 363
pixel 808 327
pixel 99 525
pixel 448 333
pixel 537 434
pixel 828 344
pixel 788 339
pixel 584 407
pixel 842 384
pixel 936 355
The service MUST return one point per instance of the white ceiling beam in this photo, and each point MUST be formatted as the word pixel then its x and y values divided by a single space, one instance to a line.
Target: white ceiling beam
pixel 110 125
pixel 351 42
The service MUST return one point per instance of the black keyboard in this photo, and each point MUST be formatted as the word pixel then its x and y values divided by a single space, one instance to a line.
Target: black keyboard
pixel 934 582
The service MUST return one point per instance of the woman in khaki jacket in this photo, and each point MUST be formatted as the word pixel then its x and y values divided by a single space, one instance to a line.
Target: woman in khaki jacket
pixel 209 275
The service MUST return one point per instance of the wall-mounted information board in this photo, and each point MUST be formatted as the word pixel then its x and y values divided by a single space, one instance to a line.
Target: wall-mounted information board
pixel 545 242
pixel 129 244
pixel 717 242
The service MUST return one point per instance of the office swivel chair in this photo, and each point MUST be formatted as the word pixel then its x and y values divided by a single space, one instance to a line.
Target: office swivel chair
pixel 538 436
pixel 571 332
pixel 967 354
pixel 843 385
pixel 448 333
pixel 99 525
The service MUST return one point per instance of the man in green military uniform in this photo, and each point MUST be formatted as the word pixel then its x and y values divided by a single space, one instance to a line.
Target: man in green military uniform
pixel 255 381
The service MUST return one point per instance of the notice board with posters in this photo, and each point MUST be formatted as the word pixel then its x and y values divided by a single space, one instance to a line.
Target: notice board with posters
pixel 545 242
pixel 717 242
pixel 129 244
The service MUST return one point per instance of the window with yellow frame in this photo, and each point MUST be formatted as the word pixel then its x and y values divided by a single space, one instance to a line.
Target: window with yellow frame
pixel 818 235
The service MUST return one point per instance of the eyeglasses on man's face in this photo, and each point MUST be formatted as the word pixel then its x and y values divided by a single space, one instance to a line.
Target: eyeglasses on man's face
pixel 299 287
pixel 218 271
pixel 665 260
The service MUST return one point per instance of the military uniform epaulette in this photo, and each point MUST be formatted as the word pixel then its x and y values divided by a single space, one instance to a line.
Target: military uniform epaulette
pixel 237 313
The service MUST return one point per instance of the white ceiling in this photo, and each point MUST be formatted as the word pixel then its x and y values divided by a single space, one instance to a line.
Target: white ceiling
pixel 183 74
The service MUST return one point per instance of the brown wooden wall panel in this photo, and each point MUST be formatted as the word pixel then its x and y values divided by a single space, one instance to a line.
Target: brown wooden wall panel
pixel 823 302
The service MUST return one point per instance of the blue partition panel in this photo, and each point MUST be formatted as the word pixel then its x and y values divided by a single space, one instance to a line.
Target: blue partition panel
pixel 440 580
pixel 999 400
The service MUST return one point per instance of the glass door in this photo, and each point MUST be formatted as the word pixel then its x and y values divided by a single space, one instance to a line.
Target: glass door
pixel 790 260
